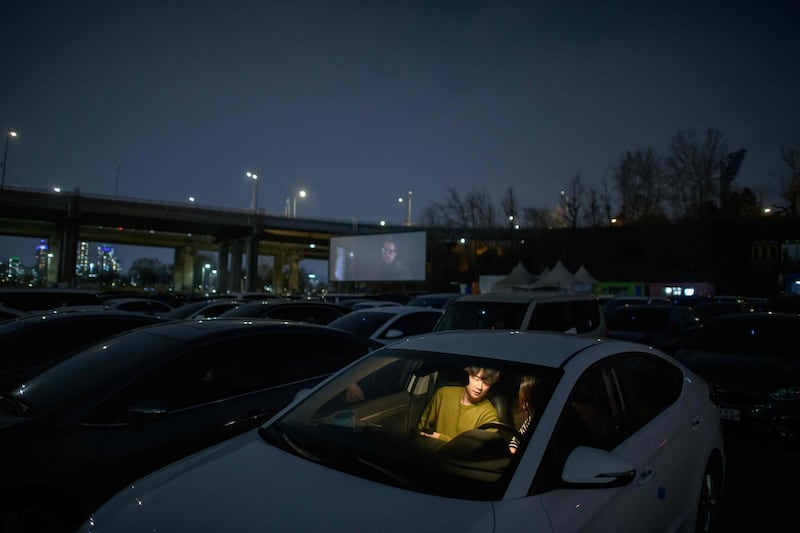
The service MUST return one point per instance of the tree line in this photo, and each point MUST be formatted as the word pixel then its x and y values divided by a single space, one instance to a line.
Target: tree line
pixel 693 178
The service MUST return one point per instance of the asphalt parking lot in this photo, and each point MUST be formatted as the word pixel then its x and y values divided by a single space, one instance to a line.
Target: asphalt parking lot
pixel 760 492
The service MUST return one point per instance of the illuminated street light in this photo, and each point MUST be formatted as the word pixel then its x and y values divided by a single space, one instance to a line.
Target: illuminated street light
pixel 203 285
pixel 9 134
pixel 401 200
pixel 291 204
pixel 254 199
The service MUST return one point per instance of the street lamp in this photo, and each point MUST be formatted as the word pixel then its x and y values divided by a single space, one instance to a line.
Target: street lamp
pixel 401 200
pixel 254 199
pixel 203 285
pixel 291 204
pixel 9 134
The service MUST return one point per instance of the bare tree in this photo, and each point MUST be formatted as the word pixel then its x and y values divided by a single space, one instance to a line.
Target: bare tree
pixel 474 210
pixel 641 183
pixel 694 167
pixel 571 200
pixel 790 185
pixel 509 205
pixel 593 214
pixel 538 218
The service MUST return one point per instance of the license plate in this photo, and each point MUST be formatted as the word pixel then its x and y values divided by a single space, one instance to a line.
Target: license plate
pixel 729 414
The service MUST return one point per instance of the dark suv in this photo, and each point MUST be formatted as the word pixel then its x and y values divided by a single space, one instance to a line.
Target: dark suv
pixel 571 312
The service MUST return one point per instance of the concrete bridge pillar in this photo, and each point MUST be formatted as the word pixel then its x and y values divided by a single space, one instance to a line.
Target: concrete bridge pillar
pixel 251 271
pixel 235 280
pixel 183 270
pixel 223 257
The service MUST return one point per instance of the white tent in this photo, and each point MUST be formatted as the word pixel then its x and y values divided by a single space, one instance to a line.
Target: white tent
pixel 559 277
pixel 518 277
pixel 584 280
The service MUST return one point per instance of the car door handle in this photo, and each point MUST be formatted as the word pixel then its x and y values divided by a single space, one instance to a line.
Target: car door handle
pixel 697 422
pixel 646 475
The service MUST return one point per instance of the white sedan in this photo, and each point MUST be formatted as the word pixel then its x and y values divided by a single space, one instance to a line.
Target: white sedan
pixel 622 438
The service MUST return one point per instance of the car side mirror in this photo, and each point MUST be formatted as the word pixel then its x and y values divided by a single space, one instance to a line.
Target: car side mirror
pixel 598 468
pixel 393 334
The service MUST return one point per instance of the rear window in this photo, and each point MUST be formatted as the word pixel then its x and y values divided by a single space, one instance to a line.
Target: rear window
pixel 577 316
pixel 482 315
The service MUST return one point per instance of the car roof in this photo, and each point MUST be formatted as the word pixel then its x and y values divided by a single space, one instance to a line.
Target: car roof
pixel 394 310
pixel 523 296
pixel 552 349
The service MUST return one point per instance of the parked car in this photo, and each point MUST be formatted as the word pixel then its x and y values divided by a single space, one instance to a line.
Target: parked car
pixel 618 301
pixel 203 308
pixel 660 326
pixel 622 438
pixel 33 343
pixel 388 324
pixel 81 430
pixel 312 311
pixel 364 304
pixel 438 300
pixel 538 310
pixel 45 298
pixel 150 306
pixel 7 313
pixel 752 363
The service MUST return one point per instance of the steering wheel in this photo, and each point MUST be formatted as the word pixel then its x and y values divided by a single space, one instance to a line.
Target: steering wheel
pixel 501 427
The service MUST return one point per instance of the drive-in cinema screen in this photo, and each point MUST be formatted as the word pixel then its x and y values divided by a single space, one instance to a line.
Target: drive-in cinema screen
pixel 382 257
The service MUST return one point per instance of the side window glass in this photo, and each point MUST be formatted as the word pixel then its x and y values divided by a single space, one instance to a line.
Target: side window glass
pixel 212 372
pixel 650 385
pixel 315 354
pixel 587 420
pixel 413 324
pixel 550 316
pixel 584 315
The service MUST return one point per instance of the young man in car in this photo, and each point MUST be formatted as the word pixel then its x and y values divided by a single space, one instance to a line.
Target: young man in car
pixel 455 409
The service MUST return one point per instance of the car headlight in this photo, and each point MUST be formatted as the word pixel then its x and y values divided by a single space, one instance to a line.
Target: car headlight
pixel 785 393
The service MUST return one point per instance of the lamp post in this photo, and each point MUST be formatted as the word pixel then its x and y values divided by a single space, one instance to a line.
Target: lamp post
pixel 291 203
pixel 408 216
pixel 254 199
pixel 9 134
pixel 203 277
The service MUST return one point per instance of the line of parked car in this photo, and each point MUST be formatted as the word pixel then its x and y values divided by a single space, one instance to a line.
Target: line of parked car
pixel 172 403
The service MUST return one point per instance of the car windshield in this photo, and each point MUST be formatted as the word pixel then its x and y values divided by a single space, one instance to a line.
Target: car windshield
pixel 366 422
pixel 361 323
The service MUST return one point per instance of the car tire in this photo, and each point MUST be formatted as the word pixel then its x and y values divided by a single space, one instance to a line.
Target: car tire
pixel 708 505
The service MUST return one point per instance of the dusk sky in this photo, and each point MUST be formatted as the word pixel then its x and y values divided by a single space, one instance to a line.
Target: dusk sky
pixel 359 102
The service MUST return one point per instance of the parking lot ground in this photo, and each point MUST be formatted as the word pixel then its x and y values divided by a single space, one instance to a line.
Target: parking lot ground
pixel 761 492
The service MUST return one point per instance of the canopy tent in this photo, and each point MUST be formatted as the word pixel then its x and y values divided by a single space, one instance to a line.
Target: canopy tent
pixel 559 278
pixel 518 277
pixel 584 280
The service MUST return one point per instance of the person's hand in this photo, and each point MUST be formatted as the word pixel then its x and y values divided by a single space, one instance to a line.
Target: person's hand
pixel 432 434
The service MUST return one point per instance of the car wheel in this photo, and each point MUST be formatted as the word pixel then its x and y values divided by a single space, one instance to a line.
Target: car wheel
pixel 710 496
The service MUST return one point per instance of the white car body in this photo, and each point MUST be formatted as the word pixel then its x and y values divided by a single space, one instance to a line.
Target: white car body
pixel 273 479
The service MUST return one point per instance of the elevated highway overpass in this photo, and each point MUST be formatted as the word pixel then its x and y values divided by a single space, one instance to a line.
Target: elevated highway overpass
pixel 66 218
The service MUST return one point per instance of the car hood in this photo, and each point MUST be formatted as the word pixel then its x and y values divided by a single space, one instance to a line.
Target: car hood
pixel 748 372
pixel 246 484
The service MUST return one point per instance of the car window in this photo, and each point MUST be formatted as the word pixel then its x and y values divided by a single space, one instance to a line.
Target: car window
pixel 576 316
pixel 482 315
pixel 649 385
pixel 413 324
pixel 234 366
pixel 304 313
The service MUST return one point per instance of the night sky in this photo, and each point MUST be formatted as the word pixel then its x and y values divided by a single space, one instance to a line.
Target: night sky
pixel 359 102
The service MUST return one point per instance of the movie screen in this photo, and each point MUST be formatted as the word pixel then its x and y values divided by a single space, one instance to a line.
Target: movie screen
pixel 383 257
